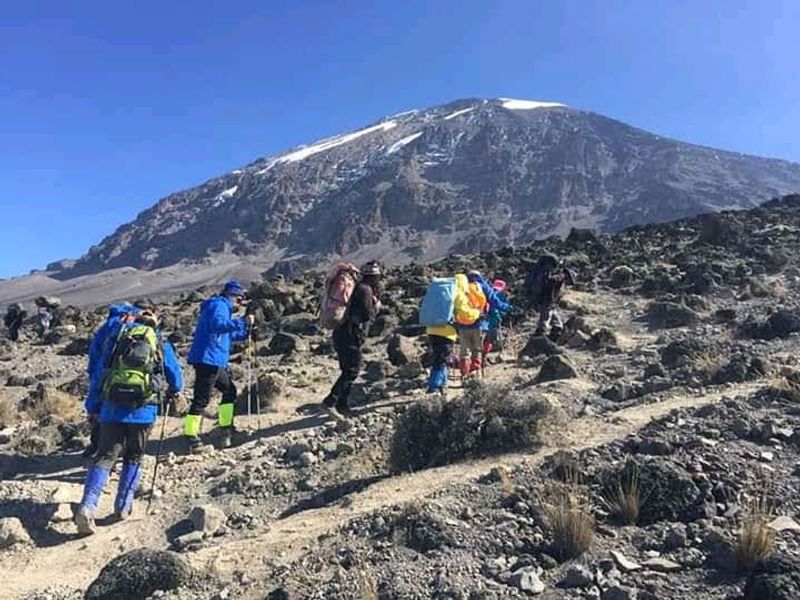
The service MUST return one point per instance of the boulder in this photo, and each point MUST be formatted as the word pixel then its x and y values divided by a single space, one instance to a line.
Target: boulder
pixel 286 343
pixel 577 576
pixel 13 532
pixel 621 276
pixel 556 367
pixel 540 345
pixel 402 351
pixel 784 322
pixel 776 578
pixel 603 338
pixel 671 314
pixel 76 347
pixel 671 494
pixel 137 574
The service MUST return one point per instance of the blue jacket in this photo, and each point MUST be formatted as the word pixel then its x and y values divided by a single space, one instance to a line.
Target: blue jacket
pixel 495 317
pixel 145 415
pixel 496 301
pixel 215 330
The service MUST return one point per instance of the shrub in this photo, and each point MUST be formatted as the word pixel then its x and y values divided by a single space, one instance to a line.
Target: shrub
pixel 487 419
pixel 756 540
pixel 624 498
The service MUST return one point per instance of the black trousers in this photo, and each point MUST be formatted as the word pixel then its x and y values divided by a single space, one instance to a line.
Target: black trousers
pixel 206 378
pixel 348 347
pixel 441 347
pixel 127 439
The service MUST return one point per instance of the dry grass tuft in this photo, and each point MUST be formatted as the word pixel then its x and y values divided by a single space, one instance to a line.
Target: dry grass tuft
pixel 8 412
pixel 54 406
pixel 756 540
pixel 624 500
pixel 568 512
pixel 709 363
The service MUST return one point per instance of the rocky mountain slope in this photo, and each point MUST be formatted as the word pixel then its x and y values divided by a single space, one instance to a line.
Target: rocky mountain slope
pixel 467 176
pixel 676 378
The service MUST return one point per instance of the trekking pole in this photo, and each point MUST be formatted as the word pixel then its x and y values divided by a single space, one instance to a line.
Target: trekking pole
pixel 158 458
pixel 249 353
pixel 165 410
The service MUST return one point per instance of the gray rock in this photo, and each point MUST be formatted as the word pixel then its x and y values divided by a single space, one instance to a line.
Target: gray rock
pixel 555 368
pixel 527 580
pixel 675 537
pixel 621 276
pixel 402 350
pixel 307 459
pixel 539 345
pixel 776 578
pixel 194 538
pixel 207 518
pixel 577 576
pixel 620 592
pixel 662 565
pixel 13 532
pixel 138 574
pixel 625 563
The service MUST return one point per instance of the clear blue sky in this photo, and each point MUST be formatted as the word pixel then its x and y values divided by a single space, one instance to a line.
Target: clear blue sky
pixel 106 107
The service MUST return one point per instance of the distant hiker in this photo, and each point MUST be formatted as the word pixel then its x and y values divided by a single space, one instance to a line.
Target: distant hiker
pixel 436 313
pixel 15 315
pixel 137 369
pixel 349 337
pixel 216 329
pixel 474 300
pixel 493 342
pixel 103 339
pixel 43 319
pixel 544 286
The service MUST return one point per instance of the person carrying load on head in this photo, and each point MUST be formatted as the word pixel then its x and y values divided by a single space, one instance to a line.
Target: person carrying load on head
pixel 436 313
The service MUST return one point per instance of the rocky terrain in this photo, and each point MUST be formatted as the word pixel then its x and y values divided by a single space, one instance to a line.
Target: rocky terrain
pixel 465 177
pixel 652 451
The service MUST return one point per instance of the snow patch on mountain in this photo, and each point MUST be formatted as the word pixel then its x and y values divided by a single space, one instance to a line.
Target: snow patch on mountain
pixel 404 142
pixel 512 104
pixel 225 195
pixel 327 144
pixel 458 113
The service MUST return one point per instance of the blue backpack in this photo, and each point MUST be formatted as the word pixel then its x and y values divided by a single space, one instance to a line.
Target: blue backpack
pixel 437 304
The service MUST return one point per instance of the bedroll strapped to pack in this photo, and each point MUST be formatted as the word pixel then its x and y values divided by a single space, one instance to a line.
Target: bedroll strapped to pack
pixel 437 305
pixel 133 373
pixel 339 286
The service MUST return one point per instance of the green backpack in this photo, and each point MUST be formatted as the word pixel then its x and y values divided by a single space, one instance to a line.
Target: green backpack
pixel 133 375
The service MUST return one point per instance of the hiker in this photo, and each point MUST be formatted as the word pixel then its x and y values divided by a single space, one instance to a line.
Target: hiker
pixel 104 337
pixel 474 300
pixel 216 328
pixel 349 337
pixel 43 319
pixel 493 342
pixel 15 315
pixel 436 314
pixel 544 286
pixel 137 368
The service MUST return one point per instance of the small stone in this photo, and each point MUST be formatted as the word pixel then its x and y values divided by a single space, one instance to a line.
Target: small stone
pixel 12 532
pixel 207 518
pixel 63 514
pixel 767 456
pixel 625 563
pixel 675 537
pixel 307 459
pixel 194 538
pixel 662 565
pixel 527 580
pixel 577 576
pixel 784 523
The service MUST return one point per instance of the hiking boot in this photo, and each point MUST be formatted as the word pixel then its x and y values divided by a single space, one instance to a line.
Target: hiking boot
pixel 193 444
pixel 333 412
pixel 225 437
pixel 84 519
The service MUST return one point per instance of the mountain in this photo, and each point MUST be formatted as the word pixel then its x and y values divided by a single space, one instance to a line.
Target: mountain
pixel 466 176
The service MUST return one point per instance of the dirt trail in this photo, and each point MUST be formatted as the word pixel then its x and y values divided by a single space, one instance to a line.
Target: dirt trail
pixel 290 537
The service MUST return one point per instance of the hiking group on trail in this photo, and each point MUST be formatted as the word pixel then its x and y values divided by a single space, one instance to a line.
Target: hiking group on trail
pixel 134 375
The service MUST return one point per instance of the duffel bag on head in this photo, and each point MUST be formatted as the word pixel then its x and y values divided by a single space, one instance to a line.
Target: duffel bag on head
pixel 436 308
